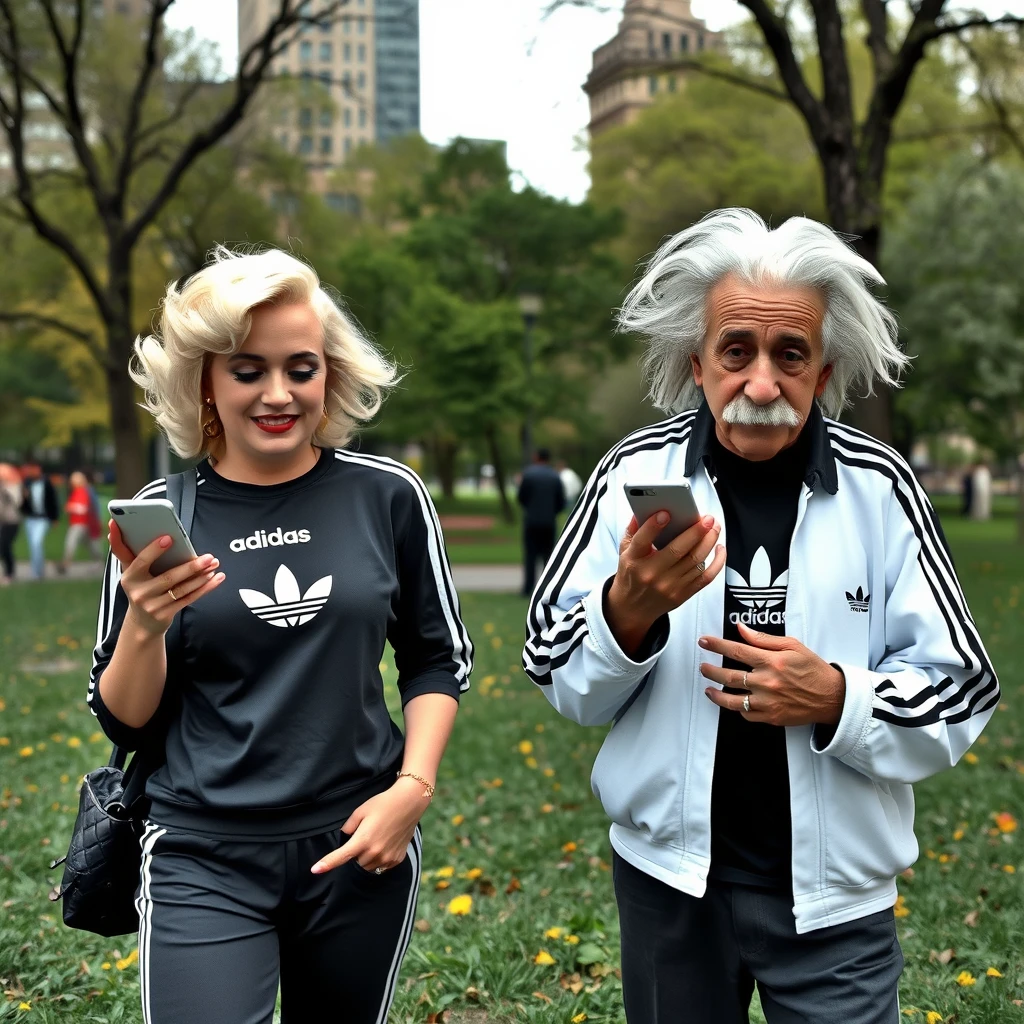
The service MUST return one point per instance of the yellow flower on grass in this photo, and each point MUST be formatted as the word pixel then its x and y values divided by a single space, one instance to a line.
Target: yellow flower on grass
pixel 971 758
pixel 934 1017
pixel 993 973
pixel 105 965
pixel 1009 869
pixel 57 737
pixel 474 873
pixel 127 961
pixel 965 979
pixel 958 835
pixel 74 741
pixel 496 642
pixel 65 779
pixel 901 909
pixel 488 627
pixel 579 1018
pixel 443 884
pixel 496 783
pixel 5 741
pixel 445 872
pixel 530 762
pixel 1006 822
pixel 943 858
pixel 525 747
pixel 24 1006
pixel 460 905
pixel 539 727
pixel 458 819
pixel 549 772
pixel 96 737
pixel 544 958
pixel 573 940
pixel 546 808
pixel 554 933
pixel 26 751
pixel 569 847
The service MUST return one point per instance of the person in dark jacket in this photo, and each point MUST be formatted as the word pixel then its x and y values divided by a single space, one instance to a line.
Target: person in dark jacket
pixel 542 495
pixel 283 841
pixel 39 512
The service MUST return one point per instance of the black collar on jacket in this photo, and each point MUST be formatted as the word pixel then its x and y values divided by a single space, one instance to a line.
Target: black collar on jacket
pixel 821 463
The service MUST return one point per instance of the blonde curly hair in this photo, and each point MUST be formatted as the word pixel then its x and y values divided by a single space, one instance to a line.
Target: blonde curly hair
pixel 211 314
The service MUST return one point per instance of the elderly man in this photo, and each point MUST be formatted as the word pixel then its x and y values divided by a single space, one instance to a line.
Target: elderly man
pixel 769 719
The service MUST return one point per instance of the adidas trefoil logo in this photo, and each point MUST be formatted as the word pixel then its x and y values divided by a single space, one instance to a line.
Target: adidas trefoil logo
pixel 761 595
pixel 858 601
pixel 288 608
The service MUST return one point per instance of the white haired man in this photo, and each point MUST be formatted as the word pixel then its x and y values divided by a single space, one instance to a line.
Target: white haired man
pixel 769 720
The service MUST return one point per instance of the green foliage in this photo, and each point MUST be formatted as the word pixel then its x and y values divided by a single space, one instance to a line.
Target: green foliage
pixel 953 263
pixel 441 296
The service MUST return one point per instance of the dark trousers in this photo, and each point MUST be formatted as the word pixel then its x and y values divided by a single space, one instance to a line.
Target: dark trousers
pixel 221 922
pixel 538 543
pixel 8 531
pixel 696 961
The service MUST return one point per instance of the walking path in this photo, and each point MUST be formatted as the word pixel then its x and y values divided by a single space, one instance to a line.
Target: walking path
pixel 493 579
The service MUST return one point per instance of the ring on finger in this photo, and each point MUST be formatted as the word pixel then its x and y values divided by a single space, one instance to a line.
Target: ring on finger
pixel 174 596
pixel 743 682
pixel 746 702
pixel 701 566
pixel 378 871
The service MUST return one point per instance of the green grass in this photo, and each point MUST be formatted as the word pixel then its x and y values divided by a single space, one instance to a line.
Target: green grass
pixel 480 967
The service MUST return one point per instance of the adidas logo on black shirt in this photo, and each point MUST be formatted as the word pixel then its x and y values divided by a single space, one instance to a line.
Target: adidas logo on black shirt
pixel 274 539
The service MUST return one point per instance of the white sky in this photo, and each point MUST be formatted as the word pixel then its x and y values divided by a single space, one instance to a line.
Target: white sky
pixel 494 69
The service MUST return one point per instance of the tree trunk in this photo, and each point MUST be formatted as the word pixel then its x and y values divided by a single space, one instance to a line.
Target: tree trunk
pixel 850 214
pixel 445 450
pixel 499 474
pixel 130 467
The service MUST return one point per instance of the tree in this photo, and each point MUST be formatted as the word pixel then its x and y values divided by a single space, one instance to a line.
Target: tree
pixel 135 129
pixel 852 146
pixel 953 262
pixel 441 294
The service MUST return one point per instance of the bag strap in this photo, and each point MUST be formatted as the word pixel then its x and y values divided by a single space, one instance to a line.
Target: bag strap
pixel 181 493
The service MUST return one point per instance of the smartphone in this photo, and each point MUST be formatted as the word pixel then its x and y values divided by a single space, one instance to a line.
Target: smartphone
pixel 141 521
pixel 675 498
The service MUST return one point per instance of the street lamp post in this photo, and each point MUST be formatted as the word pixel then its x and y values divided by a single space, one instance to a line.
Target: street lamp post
pixel 530 305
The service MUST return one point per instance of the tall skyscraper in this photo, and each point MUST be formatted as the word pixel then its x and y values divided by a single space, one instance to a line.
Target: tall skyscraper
pixel 358 77
pixel 642 60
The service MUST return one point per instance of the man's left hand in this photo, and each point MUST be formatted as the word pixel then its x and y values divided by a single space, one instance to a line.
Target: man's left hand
pixel 787 684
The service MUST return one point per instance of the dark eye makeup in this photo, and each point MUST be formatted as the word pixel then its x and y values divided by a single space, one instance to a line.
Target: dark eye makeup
pixel 251 376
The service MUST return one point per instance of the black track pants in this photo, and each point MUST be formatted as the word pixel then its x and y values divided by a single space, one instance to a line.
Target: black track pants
pixel 222 922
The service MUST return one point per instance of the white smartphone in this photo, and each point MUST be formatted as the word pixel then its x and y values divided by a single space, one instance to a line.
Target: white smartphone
pixel 675 498
pixel 141 521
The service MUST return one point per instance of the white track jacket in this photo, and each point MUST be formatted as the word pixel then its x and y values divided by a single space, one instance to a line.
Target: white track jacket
pixel 871 589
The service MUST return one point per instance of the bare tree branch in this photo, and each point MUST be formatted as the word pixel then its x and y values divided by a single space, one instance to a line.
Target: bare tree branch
pixel 87 338
pixel 1003 120
pixel 142 83
pixel 954 27
pixel 877 16
pixel 828 25
pixel 776 35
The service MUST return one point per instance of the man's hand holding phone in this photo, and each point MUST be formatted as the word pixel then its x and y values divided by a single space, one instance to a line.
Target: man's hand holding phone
pixel 153 601
pixel 650 582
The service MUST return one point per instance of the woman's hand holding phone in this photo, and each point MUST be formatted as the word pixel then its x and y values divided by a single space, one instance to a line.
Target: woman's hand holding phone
pixel 153 601
pixel 650 582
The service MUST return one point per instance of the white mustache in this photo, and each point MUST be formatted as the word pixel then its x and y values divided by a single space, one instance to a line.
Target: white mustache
pixel 742 412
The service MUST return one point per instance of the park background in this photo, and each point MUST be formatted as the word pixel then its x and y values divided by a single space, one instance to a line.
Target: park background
pixel 902 125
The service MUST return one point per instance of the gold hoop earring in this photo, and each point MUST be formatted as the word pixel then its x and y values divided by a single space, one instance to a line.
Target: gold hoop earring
pixel 212 426
pixel 324 421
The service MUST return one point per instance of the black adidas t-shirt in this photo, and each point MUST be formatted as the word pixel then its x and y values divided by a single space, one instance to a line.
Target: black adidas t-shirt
pixel 274 709
pixel 751 833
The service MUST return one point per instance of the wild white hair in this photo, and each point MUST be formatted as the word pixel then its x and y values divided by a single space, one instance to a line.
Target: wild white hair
pixel 212 313
pixel 668 306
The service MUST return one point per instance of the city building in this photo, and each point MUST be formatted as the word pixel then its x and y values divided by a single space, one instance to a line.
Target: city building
pixel 358 78
pixel 643 59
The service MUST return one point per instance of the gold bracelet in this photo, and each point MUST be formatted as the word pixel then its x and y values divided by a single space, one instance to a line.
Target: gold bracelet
pixel 419 778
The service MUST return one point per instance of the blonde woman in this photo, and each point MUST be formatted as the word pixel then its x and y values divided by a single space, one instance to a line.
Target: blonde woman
pixel 283 842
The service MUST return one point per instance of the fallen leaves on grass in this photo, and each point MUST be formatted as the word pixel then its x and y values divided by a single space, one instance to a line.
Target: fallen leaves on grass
pixel 901 909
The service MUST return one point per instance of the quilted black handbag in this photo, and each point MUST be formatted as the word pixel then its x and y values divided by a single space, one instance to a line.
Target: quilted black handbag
pixel 101 867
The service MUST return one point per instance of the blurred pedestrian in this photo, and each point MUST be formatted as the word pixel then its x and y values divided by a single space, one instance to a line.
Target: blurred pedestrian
pixel 542 496
pixel 571 482
pixel 40 511
pixel 83 523
pixel 967 491
pixel 10 518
